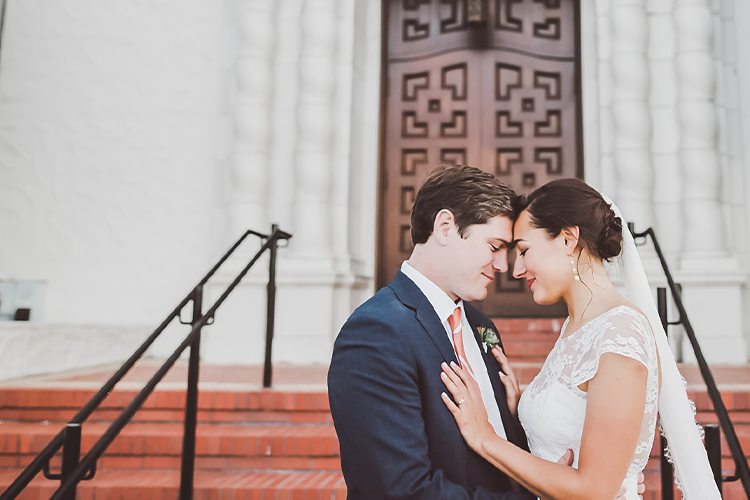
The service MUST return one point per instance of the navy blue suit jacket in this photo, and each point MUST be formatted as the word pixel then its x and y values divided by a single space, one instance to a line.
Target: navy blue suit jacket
pixel 398 439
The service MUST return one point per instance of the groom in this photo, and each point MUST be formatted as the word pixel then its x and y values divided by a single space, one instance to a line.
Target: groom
pixel 398 440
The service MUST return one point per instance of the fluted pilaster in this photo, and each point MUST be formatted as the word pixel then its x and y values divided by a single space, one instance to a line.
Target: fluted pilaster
pixel 607 176
pixel 286 89
pixel 312 224
pixel 665 144
pixel 698 155
pixel 342 126
pixel 252 116
pixel 632 121
pixel 729 125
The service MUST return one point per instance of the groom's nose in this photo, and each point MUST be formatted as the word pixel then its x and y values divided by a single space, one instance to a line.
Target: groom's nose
pixel 500 262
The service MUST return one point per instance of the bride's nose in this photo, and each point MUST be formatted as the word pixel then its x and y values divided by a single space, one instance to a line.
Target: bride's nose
pixel 518 268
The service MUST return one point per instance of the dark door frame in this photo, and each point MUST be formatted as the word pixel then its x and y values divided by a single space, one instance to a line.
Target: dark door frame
pixel 381 276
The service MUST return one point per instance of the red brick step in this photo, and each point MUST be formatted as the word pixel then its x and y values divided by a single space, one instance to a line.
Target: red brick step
pixel 159 446
pixel 60 405
pixel 528 340
pixel 240 422
pixel 164 485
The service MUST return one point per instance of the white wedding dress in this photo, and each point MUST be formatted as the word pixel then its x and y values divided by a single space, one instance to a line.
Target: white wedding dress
pixel 552 409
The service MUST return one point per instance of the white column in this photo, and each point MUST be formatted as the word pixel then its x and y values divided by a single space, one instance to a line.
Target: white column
pixel 363 158
pixel 740 38
pixel 632 120
pixel 284 109
pixel 312 215
pixel 590 94
pixel 665 140
pixel 730 127
pixel 221 233
pixel 607 175
pixel 712 283
pixel 341 144
pixel 307 277
pixel 239 336
pixel 252 117
pixel 666 131
pixel 341 181
pixel 698 155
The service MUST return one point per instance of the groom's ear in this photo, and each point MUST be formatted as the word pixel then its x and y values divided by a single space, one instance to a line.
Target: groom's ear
pixel 444 223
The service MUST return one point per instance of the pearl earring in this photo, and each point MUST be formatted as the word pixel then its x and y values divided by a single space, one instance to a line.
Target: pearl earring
pixel 576 276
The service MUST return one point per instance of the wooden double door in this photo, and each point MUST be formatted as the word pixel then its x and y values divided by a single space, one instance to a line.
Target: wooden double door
pixel 489 83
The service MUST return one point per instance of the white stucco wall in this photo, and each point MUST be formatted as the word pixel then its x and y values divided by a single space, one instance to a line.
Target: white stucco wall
pixel 120 126
pixel 120 129
pixel 108 141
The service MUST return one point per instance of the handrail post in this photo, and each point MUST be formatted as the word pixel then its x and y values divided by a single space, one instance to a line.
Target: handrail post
pixel 71 454
pixel 270 307
pixel 187 469
pixel 667 475
pixel 713 450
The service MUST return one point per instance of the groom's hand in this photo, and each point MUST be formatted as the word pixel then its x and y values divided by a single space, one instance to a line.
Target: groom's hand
pixel 641 488
pixel 567 458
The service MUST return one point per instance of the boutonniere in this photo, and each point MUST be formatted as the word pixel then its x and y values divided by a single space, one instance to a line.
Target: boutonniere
pixel 489 338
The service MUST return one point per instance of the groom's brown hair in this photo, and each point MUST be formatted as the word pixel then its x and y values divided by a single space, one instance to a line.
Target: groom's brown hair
pixel 472 196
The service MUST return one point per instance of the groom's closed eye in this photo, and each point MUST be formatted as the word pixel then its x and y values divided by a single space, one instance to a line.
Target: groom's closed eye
pixel 500 245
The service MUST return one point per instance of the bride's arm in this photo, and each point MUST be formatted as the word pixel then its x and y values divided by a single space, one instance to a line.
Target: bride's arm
pixel 614 412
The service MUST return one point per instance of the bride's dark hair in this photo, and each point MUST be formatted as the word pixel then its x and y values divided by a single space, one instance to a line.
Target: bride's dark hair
pixel 571 202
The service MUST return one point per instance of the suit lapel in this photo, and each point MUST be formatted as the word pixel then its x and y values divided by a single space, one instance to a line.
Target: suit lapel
pixel 412 297
pixel 510 423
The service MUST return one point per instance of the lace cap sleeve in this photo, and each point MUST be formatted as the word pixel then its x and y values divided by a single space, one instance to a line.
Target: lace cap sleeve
pixel 624 331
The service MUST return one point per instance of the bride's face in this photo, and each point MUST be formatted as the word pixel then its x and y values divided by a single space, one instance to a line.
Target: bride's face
pixel 542 261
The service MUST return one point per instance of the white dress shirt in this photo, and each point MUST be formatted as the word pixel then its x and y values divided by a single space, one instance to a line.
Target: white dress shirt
pixel 444 307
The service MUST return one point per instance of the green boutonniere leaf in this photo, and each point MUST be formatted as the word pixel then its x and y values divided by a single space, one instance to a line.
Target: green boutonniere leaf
pixel 489 338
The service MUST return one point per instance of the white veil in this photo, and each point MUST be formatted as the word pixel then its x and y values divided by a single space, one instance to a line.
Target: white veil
pixel 693 473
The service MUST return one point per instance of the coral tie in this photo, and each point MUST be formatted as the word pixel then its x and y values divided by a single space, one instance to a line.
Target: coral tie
pixel 458 339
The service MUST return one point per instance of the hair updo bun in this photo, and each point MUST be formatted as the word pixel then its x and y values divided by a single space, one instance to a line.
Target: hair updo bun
pixel 610 240
pixel 571 202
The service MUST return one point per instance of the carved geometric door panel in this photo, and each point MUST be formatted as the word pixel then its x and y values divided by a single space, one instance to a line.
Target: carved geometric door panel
pixel 488 83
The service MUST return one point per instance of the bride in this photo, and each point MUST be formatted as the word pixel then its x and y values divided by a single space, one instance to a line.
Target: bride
pixel 609 372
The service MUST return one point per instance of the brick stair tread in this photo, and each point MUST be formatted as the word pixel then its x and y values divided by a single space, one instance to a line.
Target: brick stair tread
pixel 522 326
pixel 164 485
pixel 75 398
pixel 59 404
pixel 166 439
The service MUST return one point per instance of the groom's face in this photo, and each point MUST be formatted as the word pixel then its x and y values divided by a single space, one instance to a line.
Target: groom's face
pixel 473 260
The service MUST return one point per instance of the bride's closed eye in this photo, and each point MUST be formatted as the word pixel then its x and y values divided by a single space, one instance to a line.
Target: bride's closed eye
pixel 522 252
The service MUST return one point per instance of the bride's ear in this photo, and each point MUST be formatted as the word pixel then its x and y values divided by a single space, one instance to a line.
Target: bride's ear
pixel 570 238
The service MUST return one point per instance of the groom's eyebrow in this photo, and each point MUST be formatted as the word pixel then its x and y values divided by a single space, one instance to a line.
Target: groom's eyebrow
pixel 504 243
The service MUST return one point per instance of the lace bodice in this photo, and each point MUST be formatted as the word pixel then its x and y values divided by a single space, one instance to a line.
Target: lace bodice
pixel 552 409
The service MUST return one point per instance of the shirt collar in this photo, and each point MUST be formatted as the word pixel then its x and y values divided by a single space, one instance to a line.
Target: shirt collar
pixel 440 301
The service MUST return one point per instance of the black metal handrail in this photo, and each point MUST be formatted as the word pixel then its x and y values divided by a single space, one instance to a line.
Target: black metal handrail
pixel 742 471
pixel 69 438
